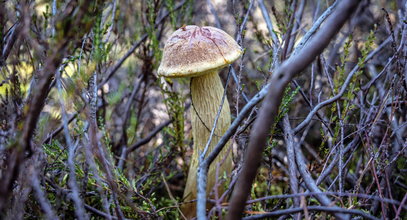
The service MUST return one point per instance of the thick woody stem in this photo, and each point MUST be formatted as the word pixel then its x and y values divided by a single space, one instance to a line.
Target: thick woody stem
pixel 269 109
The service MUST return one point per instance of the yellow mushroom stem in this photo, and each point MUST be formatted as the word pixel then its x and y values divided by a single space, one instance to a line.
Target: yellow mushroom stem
pixel 206 93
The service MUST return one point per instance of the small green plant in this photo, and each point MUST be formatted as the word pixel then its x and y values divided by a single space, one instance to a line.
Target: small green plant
pixel 173 16
pixel 288 98
pixel 176 109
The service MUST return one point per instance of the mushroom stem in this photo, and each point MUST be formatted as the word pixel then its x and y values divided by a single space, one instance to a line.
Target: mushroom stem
pixel 206 94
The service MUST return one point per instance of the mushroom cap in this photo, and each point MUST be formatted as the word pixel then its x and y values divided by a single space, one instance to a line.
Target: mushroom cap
pixel 192 51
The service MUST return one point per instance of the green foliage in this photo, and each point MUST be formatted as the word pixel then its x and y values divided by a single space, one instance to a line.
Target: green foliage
pixel 323 148
pixel 115 97
pixel 154 43
pixel 176 109
pixel 367 47
pixel 173 16
pixel 56 156
pixel 340 77
pixel 288 98
pixel 101 48
pixel 106 139
pixel 46 14
pixel 132 128
pixel 186 12
pixel 346 105
pixel 267 150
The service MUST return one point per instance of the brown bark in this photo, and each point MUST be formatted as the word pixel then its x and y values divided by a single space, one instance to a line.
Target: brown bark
pixel 269 110
pixel 68 31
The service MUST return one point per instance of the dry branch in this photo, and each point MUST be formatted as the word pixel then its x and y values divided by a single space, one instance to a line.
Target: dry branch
pixel 71 19
pixel 269 110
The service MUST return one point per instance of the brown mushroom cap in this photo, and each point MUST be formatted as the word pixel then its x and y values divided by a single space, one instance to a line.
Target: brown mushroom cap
pixel 191 51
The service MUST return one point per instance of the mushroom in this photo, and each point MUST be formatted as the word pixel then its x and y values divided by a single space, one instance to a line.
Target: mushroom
pixel 199 53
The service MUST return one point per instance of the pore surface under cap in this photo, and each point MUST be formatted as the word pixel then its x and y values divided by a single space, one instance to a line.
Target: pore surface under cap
pixel 192 51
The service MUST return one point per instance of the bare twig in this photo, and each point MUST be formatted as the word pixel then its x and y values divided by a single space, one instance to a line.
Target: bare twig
pixel 333 210
pixel 301 165
pixel 75 195
pixel 239 40
pixel 401 206
pixel 341 92
pixel 99 213
pixel 267 19
pixel 314 28
pixel 214 13
pixel 54 133
pixel 269 109
pixel 9 40
pixel 41 196
pixel 202 168
pixel 309 181
pixel 276 41
pixel 171 196
pixel 145 140
pixel 345 194
pixel 36 102
pixel 292 166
